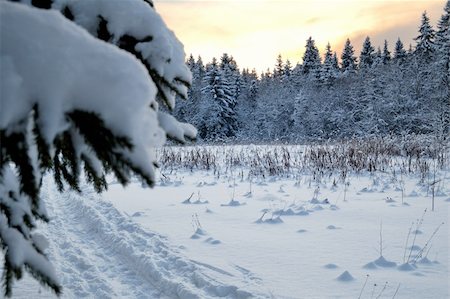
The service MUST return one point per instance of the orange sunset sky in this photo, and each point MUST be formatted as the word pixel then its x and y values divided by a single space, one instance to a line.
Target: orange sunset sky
pixel 256 31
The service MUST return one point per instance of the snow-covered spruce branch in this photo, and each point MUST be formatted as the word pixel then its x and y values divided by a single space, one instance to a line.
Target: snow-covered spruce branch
pixel 70 102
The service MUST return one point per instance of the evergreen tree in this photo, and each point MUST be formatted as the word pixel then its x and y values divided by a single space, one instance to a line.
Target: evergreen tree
pixel 328 72
pixel 335 61
pixel 87 128
pixel 400 53
pixel 378 57
pixel 348 60
pixel 386 56
pixel 231 72
pixel 442 119
pixel 367 54
pixel 191 62
pixel 425 46
pixel 218 114
pixel 443 25
pixel 311 58
pixel 279 68
pixel 287 70
pixel 200 67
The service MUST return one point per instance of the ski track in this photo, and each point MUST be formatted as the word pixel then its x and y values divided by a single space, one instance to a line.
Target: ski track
pixel 102 254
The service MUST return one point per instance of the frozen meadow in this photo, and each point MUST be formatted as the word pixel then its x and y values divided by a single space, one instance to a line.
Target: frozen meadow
pixel 288 226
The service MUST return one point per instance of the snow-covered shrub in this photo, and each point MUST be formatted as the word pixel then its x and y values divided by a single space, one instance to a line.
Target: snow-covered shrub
pixel 69 101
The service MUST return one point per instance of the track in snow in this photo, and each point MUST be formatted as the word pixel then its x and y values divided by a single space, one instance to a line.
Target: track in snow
pixel 101 253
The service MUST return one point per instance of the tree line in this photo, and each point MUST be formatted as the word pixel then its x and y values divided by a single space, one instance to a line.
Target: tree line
pixel 327 97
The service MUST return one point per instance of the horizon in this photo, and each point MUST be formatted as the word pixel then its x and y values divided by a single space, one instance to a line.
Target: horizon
pixel 273 29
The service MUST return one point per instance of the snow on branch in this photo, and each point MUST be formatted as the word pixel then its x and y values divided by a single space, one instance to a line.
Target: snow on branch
pixel 70 101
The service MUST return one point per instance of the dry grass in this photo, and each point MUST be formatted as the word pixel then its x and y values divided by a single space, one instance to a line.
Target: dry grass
pixel 393 155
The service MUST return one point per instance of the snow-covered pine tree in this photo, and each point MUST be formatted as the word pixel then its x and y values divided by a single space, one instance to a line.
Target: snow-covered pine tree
pixel 335 61
pixel 328 71
pixel 377 58
pixel 367 55
pixel 287 70
pixel 425 47
pixel 191 65
pixel 186 110
pixel 279 68
pixel 348 60
pixel 76 103
pixel 386 56
pixel 399 53
pixel 442 27
pixel 232 74
pixel 200 67
pixel 190 62
pixel 443 73
pixel 311 58
pixel 217 111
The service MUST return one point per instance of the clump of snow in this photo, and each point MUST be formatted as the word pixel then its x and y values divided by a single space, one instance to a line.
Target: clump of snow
pixel 198 233
pixel 233 203
pixel 332 227
pixel 138 214
pixel 424 260
pixel 345 277
pixel 271 220
pixel 331 266
pixel 189 201
pixel 287 212
pixel 415 248
pixel 382 262
pixel 212 241
pixel 389 199
pixel 248 195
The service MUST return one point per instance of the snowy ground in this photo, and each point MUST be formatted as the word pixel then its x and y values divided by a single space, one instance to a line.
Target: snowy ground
pixel 287 238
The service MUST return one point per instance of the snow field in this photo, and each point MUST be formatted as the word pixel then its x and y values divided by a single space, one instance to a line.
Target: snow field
pixel 217 233
pixel 304 246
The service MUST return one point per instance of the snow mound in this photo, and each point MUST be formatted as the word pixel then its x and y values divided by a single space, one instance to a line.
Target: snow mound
pixel 424 260
pixel 389 200
pixel 382 262
pixel 248 195
pixel 198 233
pixel 138 214
pixel 406 267
pixel 287 212
pixel 331 266
pixel 345 277
pixel 197 202
pixel 212 241
pixel 233 203
pixel 414 248
pixel 332 227
pixel 276 220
